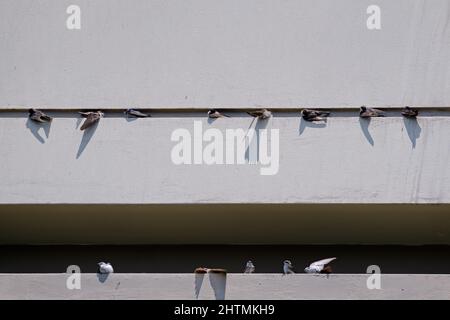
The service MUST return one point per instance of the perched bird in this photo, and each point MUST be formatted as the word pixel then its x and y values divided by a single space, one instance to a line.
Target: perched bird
pixel 314 115
pixel 365 112
pixel 288 268
pixel 91 118
pixel 249 267
pixel 409 112
pixel 321 266
pixel 217 270
pixel 39 116
pixel 201 270
pixel 105 267
pixel 214 114
pixel 135 113
pixel 209 270
pixel 261 114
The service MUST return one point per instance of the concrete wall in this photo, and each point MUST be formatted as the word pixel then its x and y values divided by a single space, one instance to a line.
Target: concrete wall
pixel 225 224
pixel 237 286
pixel 224 53
pixel 347 160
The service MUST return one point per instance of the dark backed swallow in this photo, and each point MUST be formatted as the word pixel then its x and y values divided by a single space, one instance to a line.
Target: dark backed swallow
pixel 261 114
pixel 91 118
pixel 365 112
pixel 409 112
pixel 136 113
pixel 39 116
pixel 314 115
pixel 214 114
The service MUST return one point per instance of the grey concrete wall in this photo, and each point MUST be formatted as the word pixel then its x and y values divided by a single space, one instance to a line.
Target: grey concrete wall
pixel 238 286
pixel 224 53
pixel 347 160
pixel 225 224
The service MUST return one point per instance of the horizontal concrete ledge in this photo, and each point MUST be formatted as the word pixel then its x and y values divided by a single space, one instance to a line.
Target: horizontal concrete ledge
pixel 192 108
pixel 235 286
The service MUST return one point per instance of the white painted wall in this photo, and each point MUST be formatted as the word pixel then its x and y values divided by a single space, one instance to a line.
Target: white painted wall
pixel 238 286
pixel 174 53
pixel 389 160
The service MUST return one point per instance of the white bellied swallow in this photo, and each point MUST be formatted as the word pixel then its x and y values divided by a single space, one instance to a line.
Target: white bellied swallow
pixel 39 116
pixel 321 266
pixel 261 114
pixel 314 115
pixel 91 118
pixel 214 114
pixel 136 113
pixel 409 112
pixel 105 267
pixel 249 267
pixel 365 112
pixel 288 268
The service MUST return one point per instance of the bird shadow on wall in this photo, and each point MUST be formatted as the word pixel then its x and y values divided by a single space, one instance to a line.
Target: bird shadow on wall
pixel 413 129
pixel 79 121
pixel 34 127
pixel 364 123
pixel 198 283
pixel 253 141
pixel 307 124
pixel 218 282
pixel 102 277
pixel 130 119
pixel 87 136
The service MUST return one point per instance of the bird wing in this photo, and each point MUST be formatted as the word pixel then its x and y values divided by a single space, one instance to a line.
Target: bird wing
pixel 256 113
pixel 322 262
pixel 84 114
pixel 376 111
pixel 137 113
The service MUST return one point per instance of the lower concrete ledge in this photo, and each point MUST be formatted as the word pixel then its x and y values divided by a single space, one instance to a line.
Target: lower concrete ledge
pixel 236 286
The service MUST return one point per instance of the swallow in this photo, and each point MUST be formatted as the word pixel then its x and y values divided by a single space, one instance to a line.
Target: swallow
pixel 365 112
pixel 201 270
pixel 314 115
pixel 409 112
pixel 91 118
pixel 249 267
pixel 39 116
pixel 261 114
pixel 105 267
pixel 288 268
pixel 136 113
pixel 214 114
pixel 321 266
